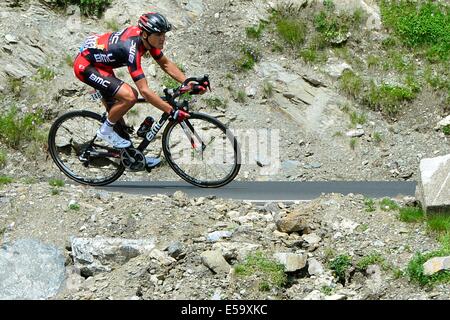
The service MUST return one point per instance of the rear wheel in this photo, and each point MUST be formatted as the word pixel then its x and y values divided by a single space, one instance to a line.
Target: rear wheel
pixel 202 151
pixel 73 148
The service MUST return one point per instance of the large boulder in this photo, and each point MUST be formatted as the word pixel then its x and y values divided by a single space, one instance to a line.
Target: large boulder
pixel 433 189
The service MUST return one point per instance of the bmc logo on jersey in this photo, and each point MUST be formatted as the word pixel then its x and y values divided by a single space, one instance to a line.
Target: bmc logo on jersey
pixel 132 52
pixel 102 58
pixel 99 80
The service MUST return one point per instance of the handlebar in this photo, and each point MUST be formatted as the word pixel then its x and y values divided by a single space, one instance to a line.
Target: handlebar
pixel 172 94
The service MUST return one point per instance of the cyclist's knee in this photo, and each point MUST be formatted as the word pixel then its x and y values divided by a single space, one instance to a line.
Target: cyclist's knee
pixel 131 97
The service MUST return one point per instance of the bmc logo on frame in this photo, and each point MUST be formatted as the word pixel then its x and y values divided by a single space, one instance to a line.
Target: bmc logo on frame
pixel 99 80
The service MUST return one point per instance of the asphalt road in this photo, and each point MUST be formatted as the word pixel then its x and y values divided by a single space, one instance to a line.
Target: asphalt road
pixel 286 191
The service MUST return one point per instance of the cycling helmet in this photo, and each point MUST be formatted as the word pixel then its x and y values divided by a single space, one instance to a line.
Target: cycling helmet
pixel 154 22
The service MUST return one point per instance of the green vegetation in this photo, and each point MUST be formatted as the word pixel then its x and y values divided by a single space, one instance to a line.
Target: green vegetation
pixel 271 273
pixel 112 25
pixel 215 102
pixel 15 85
pixel 74 206
pixel 353 142
pixel 388 98
pixel 45 73
pixel 446 130
pixel 415 269
pixel 2 158
pixel 351 84
pixel 377 138
pixel 55 191
pixel 88 7
pixel 439 223
pixel 370 204
pixel 169 82
pixel 5 180
pixel 387 204
pixel 423 26
pixel 326 290
pixel 411 214
pixel 241 97
pixel 372 258
pixel 56 182
pixel 17 128
pixel 247 60
pixel 340 265
pixel 255 32
pixel 267 89
pixel 357 118
pixel 69 60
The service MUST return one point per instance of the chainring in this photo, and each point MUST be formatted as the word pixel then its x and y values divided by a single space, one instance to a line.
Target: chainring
pixel 132 159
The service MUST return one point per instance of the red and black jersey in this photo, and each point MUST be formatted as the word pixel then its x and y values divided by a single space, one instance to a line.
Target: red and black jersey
pixel 118 49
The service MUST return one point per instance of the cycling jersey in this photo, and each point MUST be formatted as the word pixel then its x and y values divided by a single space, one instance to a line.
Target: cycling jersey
pixel 100 54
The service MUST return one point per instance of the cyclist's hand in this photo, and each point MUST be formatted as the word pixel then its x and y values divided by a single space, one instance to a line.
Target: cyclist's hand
pixel 178 115
pixel 197 88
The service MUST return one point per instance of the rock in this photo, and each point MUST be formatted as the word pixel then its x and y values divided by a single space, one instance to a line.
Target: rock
pixel 95 255
pixel 235 250
pixel 311 238
pixel 161 257
pixel 250 91
pixel 433 189
pixel 355 133
pixel 336 297
pixel 291 261
pixel 289 164
pixel 315 268
pixel 30 269
pixel 217 235
pixel 175 250
pixel 216 262
pixel 370 8
pixel 444 122
pixel 292 222
pixel 180 198
pixel 11 39
pixel 436 264
pixel 335 68
pixel 314 295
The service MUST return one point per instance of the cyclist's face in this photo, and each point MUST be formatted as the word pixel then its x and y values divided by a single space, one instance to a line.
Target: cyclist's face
pixel 157 39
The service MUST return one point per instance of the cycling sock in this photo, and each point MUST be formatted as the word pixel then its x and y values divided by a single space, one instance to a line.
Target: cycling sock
pixel 107 127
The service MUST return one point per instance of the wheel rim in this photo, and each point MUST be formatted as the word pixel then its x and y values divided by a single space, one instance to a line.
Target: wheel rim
pixel 215 164
pixel 71 140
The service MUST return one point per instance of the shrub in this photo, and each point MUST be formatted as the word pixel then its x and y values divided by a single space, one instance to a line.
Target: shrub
pixel 387 204
pixel 351 83
pixel 370 204
pixel 387 98
pixel 446 130
pixel 411 214
pixel 271 272
pixel 87 7
pixel 15 128
pixel 373 258
pixel 340 265
pixel 249 57
pixel 255 32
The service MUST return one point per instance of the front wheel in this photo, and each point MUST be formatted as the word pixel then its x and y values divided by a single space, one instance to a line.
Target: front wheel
pixel 72 145
pixel 202 151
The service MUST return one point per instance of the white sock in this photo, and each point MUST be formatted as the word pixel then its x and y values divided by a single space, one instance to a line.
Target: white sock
pixel 107 127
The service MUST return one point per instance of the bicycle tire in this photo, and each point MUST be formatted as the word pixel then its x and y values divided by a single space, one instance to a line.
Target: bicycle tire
pixel 62 165
pixel 202 118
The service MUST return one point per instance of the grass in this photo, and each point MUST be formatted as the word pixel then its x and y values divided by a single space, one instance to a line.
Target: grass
pixel 446 130
pixel 69 60
pixel 15 85
pixel 340 265
pixel 388 98
pixel 351 83
pixel 357 118
pixel 241 97
pixel 215 102
pixel 169 82
pixel 5 180
pixel 424 26
pixel 2 158
pixel 377 137
pixel 45 73
pixel 248 58
pixel 353 142
pixel 55 191
pixel 292 31
pixel 16 129
pixel 439 223
pixel 112 25
pixel 56 182
pixel 411 214
pixel 255 32
pixel 373 61
pixel 270 272
pixel 387 204
pixel 74 206
pixel 369 204
pixel 267 89
pixel 370 259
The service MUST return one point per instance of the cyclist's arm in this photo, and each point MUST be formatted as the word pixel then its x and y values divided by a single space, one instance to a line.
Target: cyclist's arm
pixel 151 97
pixel 171 69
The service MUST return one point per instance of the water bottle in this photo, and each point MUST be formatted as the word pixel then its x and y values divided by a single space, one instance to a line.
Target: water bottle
pixel 145 127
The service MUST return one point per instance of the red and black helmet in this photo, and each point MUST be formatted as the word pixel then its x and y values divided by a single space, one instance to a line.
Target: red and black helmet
pixel 154 22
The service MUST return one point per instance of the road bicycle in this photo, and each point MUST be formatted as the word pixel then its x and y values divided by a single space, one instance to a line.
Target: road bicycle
pixel 200 149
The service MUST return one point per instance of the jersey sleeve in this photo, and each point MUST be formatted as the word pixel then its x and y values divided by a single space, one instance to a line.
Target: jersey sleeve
pixel 156 53
pixel 135 67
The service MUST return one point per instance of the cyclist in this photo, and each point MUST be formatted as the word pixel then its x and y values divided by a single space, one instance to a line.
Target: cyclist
pixel 101 53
